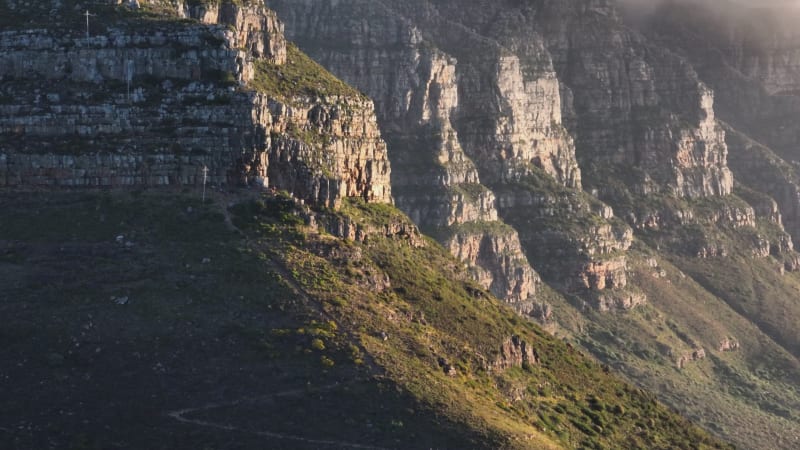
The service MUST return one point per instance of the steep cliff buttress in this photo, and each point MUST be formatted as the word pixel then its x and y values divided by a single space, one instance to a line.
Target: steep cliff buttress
pixel 603 150
pixel 415 87
pixel 144 101
pixel 475 112
pixel 748 54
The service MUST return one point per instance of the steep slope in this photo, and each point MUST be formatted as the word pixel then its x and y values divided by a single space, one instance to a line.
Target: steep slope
pixel 748 55
pixel 753 65
pixel 317 316
pixel 152 320
pixel 501 110
pixel 659 239
pixel 416 92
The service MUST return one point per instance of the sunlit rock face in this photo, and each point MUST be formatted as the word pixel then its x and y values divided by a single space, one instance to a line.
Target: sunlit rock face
pixel 160 106
pixel 417 92
pixel 530 89
pixel 748 53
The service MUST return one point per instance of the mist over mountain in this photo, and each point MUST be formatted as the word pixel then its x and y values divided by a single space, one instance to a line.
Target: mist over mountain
pixel 718 3
pixel 673 161
pixel 456 224
pixel 636 8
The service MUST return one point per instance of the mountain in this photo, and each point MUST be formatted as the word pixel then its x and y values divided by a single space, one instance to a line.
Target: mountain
pixel 182 111
pixel 199 249
pixel 624 176
pixel 644 159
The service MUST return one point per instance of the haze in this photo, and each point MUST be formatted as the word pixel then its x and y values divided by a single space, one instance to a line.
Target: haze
pixel 650 4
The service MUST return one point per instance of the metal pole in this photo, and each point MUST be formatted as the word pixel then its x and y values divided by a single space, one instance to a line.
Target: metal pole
pixel 88 14
pixel 205 174
pixel 129 77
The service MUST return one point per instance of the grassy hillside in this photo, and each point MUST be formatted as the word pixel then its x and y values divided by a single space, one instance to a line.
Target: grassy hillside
pixel 715 339
pixel 300 76
pixel 150 320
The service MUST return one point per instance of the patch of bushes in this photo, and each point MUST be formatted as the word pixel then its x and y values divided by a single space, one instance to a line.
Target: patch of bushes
pixel 300 76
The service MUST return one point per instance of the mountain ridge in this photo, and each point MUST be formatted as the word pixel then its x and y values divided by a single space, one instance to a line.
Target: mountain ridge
pixel 509 139
pixel 657 187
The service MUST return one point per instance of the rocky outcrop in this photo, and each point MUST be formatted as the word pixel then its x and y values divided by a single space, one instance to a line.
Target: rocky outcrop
pixel 617 300
pixel 155 106
pixel 691 356
pixel 529 78
pixel 634 103
pixel 253 28
pixel 728 212
pixel 416 92
pixel 599 275
pixel 728 345
pixel 573 240
pixel 458 109
pixel 347 228
pixel 494 256
pixel 759 168
pixel 514 352
pixel 510 118
pixel 749 57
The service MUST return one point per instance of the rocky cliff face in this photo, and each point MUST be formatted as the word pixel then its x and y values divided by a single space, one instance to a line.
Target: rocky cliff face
pixel 761 168
pixel 416 92
pixel 547 134
pixel 506 94
pixel 495 259
pixel 633 104
pixel 460 111
pixel 749 57
pixel 602 148
pixel 254 28
pixel 514 352
pixel 158 103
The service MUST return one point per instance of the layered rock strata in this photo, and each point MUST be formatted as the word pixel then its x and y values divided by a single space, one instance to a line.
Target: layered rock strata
pixel 159 104
pixel 633 103
pixel 749 57
pixel 416 93
pixel 525 76
pixel 254 28
pixel 515 352
pixel 461 110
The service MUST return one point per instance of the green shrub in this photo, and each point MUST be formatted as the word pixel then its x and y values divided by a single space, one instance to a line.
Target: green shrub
pixel 318 344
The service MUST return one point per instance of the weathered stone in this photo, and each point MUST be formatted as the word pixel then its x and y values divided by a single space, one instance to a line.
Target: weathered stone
pixel 416 91
pixel 458 109
pixel 728 345
pixel 514 352
pixel 695 355
pixel 634 104
pixel 496 262
pixel 189 108
pixel 618 300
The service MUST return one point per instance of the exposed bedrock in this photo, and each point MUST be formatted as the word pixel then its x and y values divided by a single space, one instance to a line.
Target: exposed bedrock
pixel 189 106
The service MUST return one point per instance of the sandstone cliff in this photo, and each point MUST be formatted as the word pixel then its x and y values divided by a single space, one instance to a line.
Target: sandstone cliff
pixel 156 103
pixel 416 91
pixel 634 104
pixel 749 56
pixel 600 145
pixel 461 110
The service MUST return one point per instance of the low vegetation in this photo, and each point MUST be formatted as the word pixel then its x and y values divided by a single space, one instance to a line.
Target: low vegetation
pixel 299 77
pixel 67 16
pixel 145 303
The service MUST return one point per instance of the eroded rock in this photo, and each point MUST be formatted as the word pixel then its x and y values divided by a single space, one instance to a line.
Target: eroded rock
pixel 514 352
